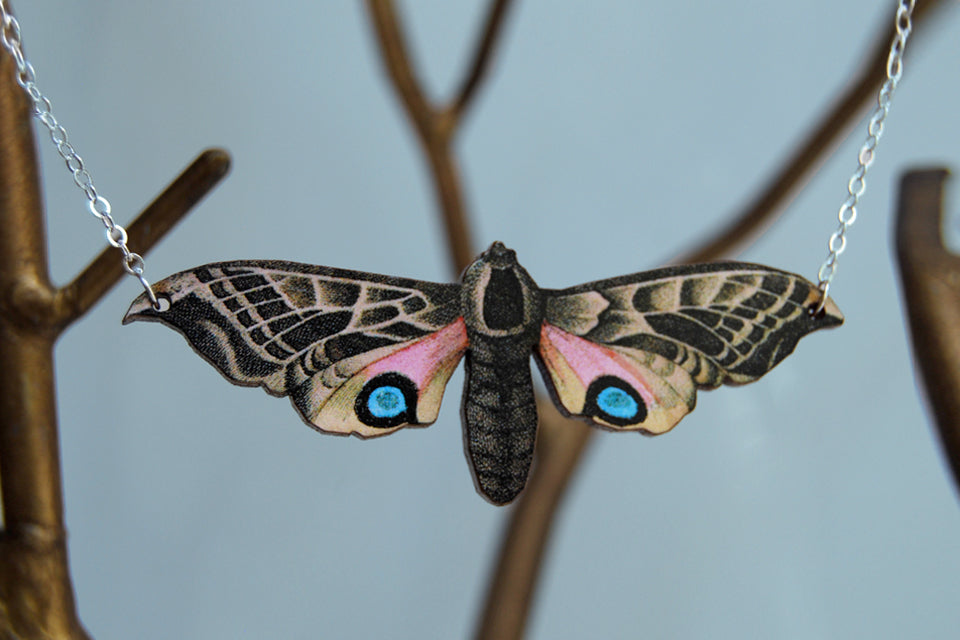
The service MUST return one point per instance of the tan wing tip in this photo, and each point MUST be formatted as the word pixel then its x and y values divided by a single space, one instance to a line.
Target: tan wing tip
pixel 142 309
pixel 830 315
pixel 166 291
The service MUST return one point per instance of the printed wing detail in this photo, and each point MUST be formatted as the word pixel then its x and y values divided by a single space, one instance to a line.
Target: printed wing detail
pixel 356 352
pixel 630 352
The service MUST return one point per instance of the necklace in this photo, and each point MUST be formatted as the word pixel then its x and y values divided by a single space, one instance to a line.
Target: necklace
pixel 367 354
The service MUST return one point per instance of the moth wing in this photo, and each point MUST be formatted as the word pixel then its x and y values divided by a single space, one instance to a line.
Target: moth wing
pixel 316 333
pixel 667 332
pixel 617 387
pixel 379 392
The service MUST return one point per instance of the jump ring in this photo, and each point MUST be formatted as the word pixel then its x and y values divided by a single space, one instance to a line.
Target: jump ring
pixel 117 236
pixel 99 206
pixel 133 263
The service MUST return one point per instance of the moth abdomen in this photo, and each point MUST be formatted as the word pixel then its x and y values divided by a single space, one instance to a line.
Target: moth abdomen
pixel 500 426
pixel 502 311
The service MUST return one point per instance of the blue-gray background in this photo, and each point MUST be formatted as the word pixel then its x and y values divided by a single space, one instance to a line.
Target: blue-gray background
pixel 609 137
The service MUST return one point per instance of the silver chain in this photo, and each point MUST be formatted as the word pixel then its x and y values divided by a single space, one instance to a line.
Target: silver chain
pixel 42 111
pixel 133 262
pixel 857 184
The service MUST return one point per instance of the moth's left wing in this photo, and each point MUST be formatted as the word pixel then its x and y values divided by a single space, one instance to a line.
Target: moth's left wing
pixel 356 352
pixel 630 352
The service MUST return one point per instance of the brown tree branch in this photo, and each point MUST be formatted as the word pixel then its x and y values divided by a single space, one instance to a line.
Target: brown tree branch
pixel 153 223
pixel 772 199
pixel 396 59
pixel 930 276
pixel 481 59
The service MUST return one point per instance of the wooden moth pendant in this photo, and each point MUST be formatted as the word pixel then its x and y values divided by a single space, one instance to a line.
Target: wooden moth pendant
pixel 367 354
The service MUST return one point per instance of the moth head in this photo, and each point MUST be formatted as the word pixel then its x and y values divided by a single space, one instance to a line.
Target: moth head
pixel 498 255
pixel 499 296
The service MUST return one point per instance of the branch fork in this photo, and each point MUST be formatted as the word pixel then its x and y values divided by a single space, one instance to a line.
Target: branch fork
pixel 36 595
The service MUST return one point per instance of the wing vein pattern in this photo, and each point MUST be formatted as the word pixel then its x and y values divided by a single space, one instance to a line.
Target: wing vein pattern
pixel 278 324
pixel 722 322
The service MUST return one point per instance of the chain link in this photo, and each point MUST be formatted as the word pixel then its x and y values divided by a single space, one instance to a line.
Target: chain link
pixel 42 111
pixel 858 184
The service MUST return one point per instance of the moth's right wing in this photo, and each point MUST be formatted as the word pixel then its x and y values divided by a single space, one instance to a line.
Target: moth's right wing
pixel 630 352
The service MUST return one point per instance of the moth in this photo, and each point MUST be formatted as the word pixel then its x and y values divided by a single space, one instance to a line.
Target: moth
pixel 366 354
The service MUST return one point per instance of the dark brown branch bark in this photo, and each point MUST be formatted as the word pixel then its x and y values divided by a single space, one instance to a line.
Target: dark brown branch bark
pixel 144 232
pixel 396 58
pixel 36 597
pixel 481 58
pixel 36 594
pixel 930 275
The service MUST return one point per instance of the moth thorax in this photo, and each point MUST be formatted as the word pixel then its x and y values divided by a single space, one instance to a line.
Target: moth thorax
pixel 499 297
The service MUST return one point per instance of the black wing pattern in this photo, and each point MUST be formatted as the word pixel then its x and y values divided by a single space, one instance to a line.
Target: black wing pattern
pixel 721 322
pixel 281 324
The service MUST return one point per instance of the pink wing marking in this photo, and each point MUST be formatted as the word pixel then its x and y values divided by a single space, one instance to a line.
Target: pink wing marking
pixel 428 363
pixel 573 363
pixel 420 360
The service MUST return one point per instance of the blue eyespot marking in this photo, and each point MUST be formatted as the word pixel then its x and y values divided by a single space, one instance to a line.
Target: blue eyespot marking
pixel 386 402
pixel 614 402
pixel 617 403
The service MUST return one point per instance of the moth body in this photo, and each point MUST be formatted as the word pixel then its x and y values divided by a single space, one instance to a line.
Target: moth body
pixel 503 312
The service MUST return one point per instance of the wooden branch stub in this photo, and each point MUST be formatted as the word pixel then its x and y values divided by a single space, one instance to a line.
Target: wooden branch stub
pixel 930 276
pixel 153 223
